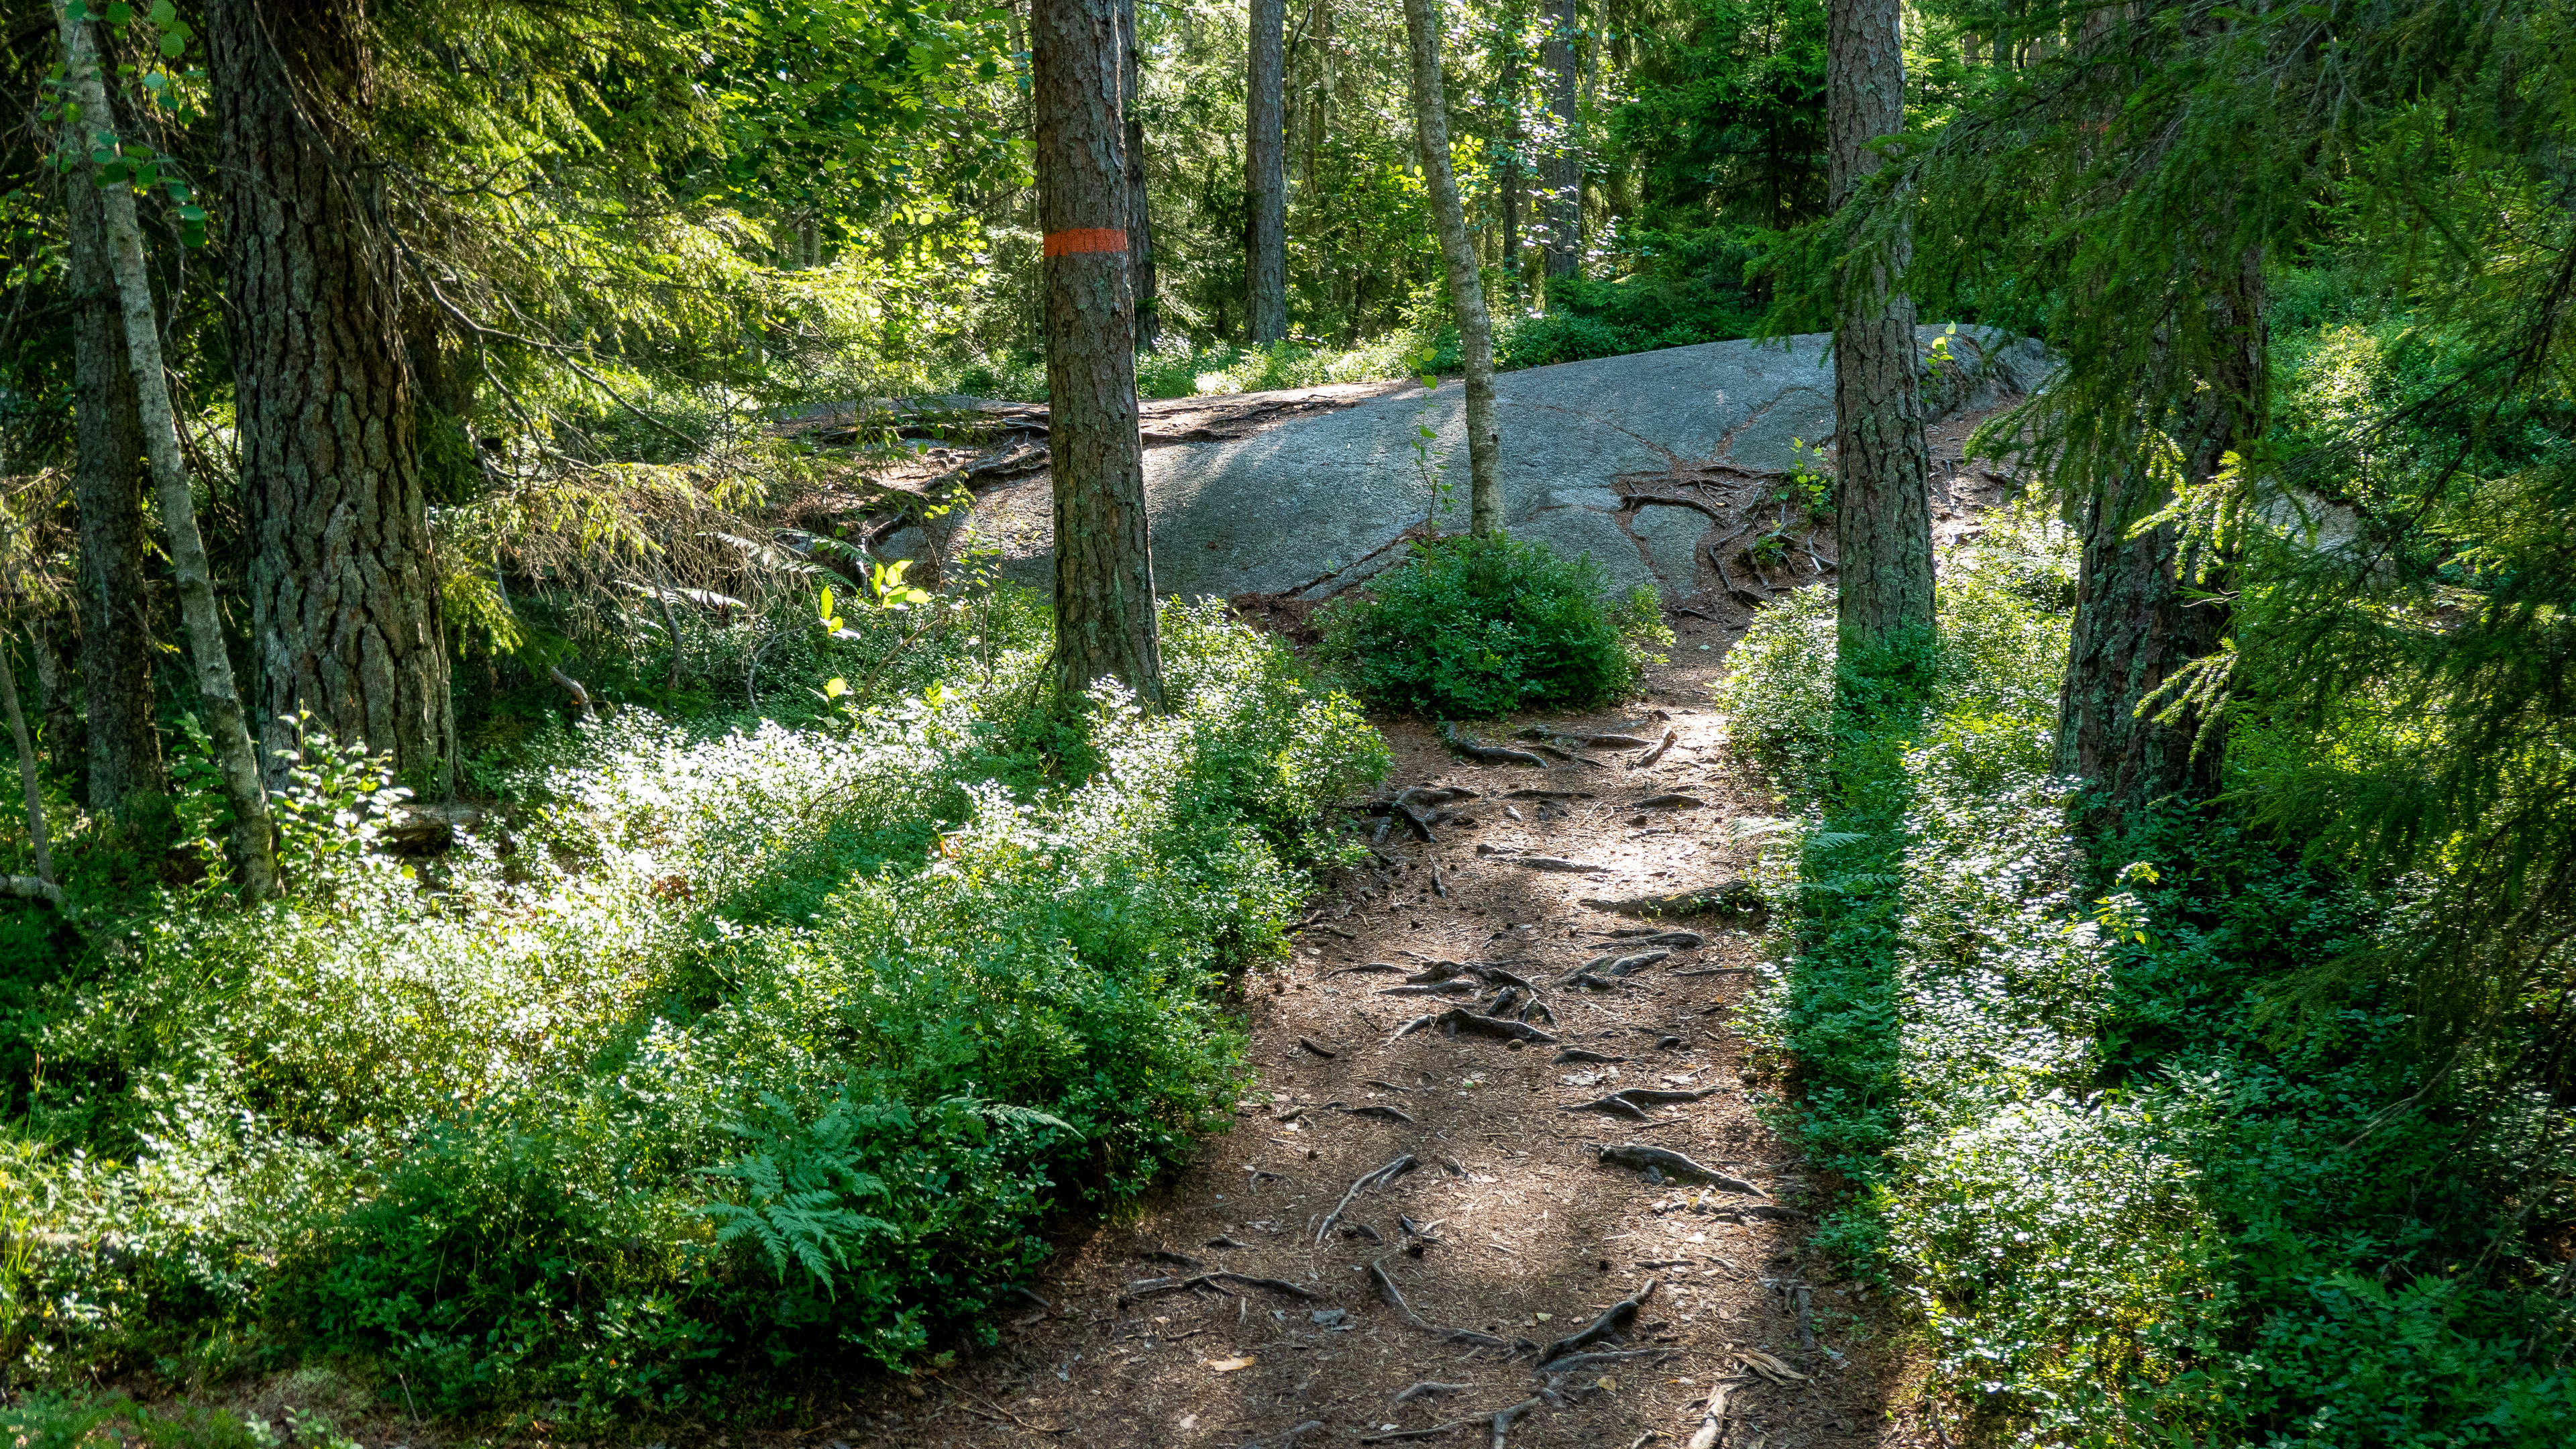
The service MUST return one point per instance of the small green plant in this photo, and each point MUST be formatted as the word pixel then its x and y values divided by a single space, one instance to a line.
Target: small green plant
pixel 1810 481
pixel 1475 627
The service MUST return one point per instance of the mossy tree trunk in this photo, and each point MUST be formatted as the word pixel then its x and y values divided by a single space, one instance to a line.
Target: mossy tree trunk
pixel 1882 464
pixel 1104 567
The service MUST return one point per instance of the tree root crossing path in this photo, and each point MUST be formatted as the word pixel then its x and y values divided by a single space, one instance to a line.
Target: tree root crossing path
pixel 1504 1179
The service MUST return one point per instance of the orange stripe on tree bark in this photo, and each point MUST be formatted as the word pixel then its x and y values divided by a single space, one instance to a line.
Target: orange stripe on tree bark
pixel 1086 239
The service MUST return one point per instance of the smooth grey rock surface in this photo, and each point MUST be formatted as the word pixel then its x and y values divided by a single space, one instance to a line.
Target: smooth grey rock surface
pixel 1331 493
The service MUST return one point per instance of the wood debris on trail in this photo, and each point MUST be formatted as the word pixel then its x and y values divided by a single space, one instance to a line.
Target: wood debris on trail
pixel 1560 1151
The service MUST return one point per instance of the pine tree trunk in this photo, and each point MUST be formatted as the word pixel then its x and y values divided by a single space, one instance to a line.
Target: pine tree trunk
pixel 1265 181
pixel 253 841
pixel 345 611
pixel 1466 287
pixel 2136 620
pixel 1104 570
pixel 1882 465
pixel 1562 173
pixel 1140 220
pixel 107 488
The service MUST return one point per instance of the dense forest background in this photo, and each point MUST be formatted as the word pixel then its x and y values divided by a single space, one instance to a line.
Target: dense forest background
pixel 516 898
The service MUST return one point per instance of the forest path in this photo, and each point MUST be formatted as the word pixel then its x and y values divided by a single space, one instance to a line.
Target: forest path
pixel 1518 1230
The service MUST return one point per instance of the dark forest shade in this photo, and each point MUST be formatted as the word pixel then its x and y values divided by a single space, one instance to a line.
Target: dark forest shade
pixel 2139 616
pixel 1140 215
pixel 1104 574
pixel 1882 465
pixel 1562 171
pixel 1265 177
pixel 107 483
pixel 345 613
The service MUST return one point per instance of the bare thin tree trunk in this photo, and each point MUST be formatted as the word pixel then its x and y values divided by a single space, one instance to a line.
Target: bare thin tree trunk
pixel 1265 180
pixel 1507 176
pixel 1466 288
pixel 1104 569
pixel 1882 465
pixel 29 778
pixel 1140 221
pixel 1562 172
pixel 239 762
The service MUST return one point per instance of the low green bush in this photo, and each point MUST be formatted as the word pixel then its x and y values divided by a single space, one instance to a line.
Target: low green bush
pixel 710 1051
pixel 1475 627
pixel 2127 1203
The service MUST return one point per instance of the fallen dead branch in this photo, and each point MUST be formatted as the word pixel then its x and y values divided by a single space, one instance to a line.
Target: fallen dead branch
pixel 1657 753
pixel 1712 1427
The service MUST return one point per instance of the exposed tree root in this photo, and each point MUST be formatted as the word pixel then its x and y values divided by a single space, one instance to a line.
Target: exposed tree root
pixel 1458 1018
pixel 1488 754
pixel 1639 1156
pixel 1735 897
pixel 1612 1325
pixel 1377 1178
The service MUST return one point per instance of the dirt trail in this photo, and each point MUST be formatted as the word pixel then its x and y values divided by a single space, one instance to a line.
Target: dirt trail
pixel 1508 1224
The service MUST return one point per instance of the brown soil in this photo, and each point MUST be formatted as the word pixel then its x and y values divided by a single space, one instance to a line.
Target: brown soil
pixel 1516 1229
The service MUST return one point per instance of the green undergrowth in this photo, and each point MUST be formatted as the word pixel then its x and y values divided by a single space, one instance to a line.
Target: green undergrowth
pixel 2126 1200
pixel 1469 628
pixel 709 1053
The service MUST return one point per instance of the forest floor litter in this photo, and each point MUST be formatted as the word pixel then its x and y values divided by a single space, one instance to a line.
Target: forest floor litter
pixel 1414 1232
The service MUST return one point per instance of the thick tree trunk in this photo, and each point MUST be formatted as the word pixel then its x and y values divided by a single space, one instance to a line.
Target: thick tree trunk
pixel 253 841
pixel 1265 180
pixel 107 487
pixel 1140 221
pixel 1104 571
pixel 1466 287
pixel 2136 620
pixel 1562 172
pixel 345 613
pixel 1882 465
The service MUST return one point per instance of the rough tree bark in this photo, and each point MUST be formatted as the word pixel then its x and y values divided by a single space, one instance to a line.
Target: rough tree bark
pixel 1265 177
pixel 1562 172
pixel 1466 288
pixel 2135 620
pixel 253 840
pixel 1104 570
pixel 107 487
pixel 1140 220
pixel 1882 465
pixel 345 614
